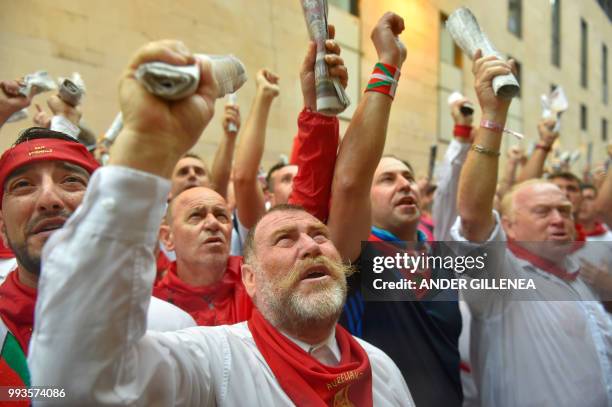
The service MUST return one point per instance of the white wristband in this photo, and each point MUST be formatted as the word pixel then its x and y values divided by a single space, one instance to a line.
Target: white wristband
pixel 63 125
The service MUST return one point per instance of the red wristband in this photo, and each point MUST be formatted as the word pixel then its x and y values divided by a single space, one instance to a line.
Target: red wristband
pixel 384 79
pixel 462 131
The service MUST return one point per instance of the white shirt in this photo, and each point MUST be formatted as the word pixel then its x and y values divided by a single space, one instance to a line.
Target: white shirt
pixel 444 209
pixel 6 266
pixel 101 354
pixel 535 351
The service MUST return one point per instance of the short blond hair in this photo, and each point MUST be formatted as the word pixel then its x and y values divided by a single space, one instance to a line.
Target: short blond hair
pixel 507 202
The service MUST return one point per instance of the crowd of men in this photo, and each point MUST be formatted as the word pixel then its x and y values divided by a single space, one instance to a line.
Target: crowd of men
pixel 157 280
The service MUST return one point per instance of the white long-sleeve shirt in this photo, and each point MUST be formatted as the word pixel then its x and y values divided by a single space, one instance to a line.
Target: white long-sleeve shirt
pixel 537 350
pixel 89 336
pixel 444 210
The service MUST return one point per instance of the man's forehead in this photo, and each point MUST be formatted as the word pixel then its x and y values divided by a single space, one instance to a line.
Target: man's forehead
pixel 189 162
pixel 541 194
pixel 198 196
pixel 560 181
pixel 291 169
pixel 391 164
pixel 40 166
pixel 285 219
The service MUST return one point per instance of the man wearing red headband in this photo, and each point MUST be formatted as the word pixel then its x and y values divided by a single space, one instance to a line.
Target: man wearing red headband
pixel 43 177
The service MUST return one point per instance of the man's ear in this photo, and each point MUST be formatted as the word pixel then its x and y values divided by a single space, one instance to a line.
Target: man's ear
pixel 3 230
pixel 248 279
pixel 507 224
pixel 166 236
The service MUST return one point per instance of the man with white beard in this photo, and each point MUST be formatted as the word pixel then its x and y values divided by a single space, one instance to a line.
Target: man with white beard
pixel 290 352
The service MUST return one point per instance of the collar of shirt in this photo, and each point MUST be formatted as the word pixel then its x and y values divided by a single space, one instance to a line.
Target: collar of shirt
pixel 326 352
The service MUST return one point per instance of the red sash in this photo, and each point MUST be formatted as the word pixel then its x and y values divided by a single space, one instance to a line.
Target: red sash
pixel 221 303
pixel 308 382
pixel 540 262
pixel 17 303
pixel 598 230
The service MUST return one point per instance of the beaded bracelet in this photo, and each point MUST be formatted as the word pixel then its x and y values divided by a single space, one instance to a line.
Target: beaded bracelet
pixel 384 79
pixel 484 150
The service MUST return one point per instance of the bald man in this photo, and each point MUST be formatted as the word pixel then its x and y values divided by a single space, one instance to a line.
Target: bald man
pixel 204 280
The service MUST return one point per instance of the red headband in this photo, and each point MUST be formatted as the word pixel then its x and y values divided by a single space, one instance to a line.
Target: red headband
pixel 44 149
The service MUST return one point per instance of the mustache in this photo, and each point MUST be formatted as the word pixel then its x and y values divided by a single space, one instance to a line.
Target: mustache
pixel 63 213
pixel 337 269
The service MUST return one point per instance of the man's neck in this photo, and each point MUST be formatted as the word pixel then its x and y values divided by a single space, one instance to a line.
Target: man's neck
pixel 406 233
pixel 588 225
pixel 313 333
pixel 27 278
pixel 201 274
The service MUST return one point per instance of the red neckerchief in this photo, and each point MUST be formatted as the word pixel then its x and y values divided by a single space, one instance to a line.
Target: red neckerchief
pixel 5 252
pixel 17 303
pixel 163 264
pixel 420 275
pixel 540 262
pixel 598 230
pixel 305 380
pixel 221 303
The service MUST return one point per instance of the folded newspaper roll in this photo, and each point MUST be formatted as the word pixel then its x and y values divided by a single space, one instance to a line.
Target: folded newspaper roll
pixel 553 106
pixel 71 90
pixel 34 83
pixel 331 97
pixel 173 82
pixel 464 28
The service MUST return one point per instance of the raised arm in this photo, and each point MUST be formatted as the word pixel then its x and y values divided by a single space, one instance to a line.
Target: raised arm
pixel 534 167
pixel 479 175
pixel 100 354
pixel 316 145
pixel 222 163
pixel 603 204
pixel 361 150
pixel 444 210
pixel 250 204
pixel 515 156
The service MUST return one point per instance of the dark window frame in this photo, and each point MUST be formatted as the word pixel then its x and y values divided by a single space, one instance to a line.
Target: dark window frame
pixel 515 10
pixel 556 33
pixel 584 53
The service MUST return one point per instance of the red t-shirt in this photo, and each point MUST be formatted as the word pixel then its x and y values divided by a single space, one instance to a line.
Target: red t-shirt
pixel 221 303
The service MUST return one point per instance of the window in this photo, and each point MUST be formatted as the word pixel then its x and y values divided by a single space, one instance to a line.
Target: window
pixel 604 74
pixel 514 17
pixel 604 130
pixel 583 117
pixel 346 5
pixel 556 33
pixel 584 33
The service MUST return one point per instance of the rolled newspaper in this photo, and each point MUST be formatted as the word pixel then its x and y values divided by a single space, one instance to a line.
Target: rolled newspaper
pixel 232 100
pixel 553 106
pixel 33 84
pixel 71 90
pixel 464 28
pixel 173 82
pixel 331 98
pixel 111 135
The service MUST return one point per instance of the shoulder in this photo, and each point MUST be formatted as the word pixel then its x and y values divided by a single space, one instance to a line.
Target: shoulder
pixel 163 316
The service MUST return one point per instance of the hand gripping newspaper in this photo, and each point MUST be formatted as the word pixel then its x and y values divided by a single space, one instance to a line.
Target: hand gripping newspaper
pixel 467 34
pixel 173 82
pixel 331 98
pixel 33 84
